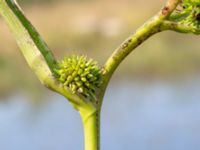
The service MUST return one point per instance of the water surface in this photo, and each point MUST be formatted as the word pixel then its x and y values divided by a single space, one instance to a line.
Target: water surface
pixel 139 115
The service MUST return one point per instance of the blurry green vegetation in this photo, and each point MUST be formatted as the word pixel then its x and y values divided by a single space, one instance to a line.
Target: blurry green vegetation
pixel 96 28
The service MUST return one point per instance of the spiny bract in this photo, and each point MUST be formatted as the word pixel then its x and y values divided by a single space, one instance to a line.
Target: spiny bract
pixel 80 75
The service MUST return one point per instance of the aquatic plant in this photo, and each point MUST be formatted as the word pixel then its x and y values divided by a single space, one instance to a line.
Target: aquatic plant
pixel 80 79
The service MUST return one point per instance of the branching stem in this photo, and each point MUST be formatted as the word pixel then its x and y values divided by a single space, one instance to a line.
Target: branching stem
pixel 151 27
pixel 34 49
pixel 43 63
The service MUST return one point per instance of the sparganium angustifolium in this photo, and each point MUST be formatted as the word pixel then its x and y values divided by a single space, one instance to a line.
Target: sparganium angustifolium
pixel 80 75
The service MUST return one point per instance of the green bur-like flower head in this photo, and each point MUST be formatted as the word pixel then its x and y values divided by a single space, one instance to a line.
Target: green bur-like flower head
pixel 80 75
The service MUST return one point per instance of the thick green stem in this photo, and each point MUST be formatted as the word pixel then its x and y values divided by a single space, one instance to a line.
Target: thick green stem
pixel 91 125
pixel 151 27
pixel 143 33
pixel 148 29
pixel 180 27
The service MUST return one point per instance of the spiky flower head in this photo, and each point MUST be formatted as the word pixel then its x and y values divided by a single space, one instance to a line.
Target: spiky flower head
pixel 80 75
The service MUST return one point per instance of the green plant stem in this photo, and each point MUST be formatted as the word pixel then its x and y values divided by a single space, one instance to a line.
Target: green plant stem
pixel 35 51
pixel 150 28
pixel 180 27
pixel 147 30
pixel 143 33
pixel 91 124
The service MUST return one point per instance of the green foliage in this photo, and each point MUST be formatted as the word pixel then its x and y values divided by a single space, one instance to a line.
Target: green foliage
pixel 188 15
pixel 80 75
pixel 192 9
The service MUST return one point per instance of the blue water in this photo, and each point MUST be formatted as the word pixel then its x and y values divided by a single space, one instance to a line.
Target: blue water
pixel 138 115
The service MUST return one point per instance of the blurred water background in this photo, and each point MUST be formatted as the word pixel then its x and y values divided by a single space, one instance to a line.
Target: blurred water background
pixel 152 101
